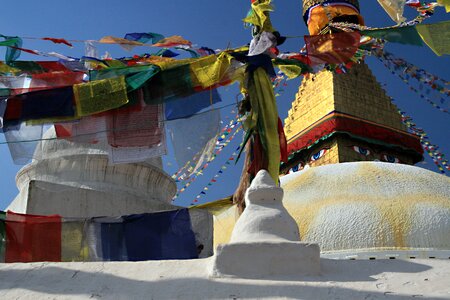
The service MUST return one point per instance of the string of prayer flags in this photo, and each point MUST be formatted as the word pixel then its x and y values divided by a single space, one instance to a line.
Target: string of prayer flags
pixel 100 95
pixel 438 158
pixel 139 237
pixel 196 134
pixel 189 166
pixel 200 171
pixel 436 36
pixel 414 72
pixel 335 48
pixel 45 54
pixel 217 175
pixel 396 70
pixel 394 8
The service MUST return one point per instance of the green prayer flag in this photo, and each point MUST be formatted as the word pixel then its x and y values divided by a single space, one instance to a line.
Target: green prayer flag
pixel 436 36
pixel 135 76
pixel 27 66
pixel 137 80
pixel 404 35
pixel 11 53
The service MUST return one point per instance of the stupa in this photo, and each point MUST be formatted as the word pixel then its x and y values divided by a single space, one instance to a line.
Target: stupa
pixel 76 180
pixel 351 184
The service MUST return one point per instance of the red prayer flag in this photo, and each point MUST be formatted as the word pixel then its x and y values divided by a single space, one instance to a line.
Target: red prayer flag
pixel 335 48
pixel 58 41
pixel 31 238
pixel 135 126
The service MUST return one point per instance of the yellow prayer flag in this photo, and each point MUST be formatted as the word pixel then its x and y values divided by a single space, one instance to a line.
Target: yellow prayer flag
pixel 445 3
pixel 260 15
pixel 100 95
pixel 264 116
pixel 4 68
pixel 210 70
pixel 291 71
pixel 394 8
pixel 436 36
pixel 73 245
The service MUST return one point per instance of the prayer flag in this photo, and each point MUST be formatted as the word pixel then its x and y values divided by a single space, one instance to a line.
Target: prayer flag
pixel 162 235
pixel 73 243
pixel 100 95
pixel 335 48
pixel 404 35
pixel 32 238
pixel 210 70
pixel 124 43
pixel 44 104
pixel 188 106
pixel 2 236
pixel 144 37
pixel 58 41
pixel 22 140
pixel 2 110
pixel 172 41
pixel 140 125
pixel 105 239
pixel 436 36
pixel 394 8
pixel 194 137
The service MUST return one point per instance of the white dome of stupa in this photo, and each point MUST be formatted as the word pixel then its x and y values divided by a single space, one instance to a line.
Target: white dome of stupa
pixel 371 210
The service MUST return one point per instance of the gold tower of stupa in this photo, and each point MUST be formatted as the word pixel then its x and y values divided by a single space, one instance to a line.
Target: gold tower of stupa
pixel 347 117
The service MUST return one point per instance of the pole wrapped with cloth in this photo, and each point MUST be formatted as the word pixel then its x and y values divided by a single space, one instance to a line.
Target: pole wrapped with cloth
pixel 264 140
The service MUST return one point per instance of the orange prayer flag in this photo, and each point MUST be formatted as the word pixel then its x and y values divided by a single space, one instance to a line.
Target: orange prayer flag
pixel 173 41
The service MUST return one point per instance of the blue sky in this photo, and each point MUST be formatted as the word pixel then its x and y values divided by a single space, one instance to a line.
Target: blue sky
pixel 215 24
